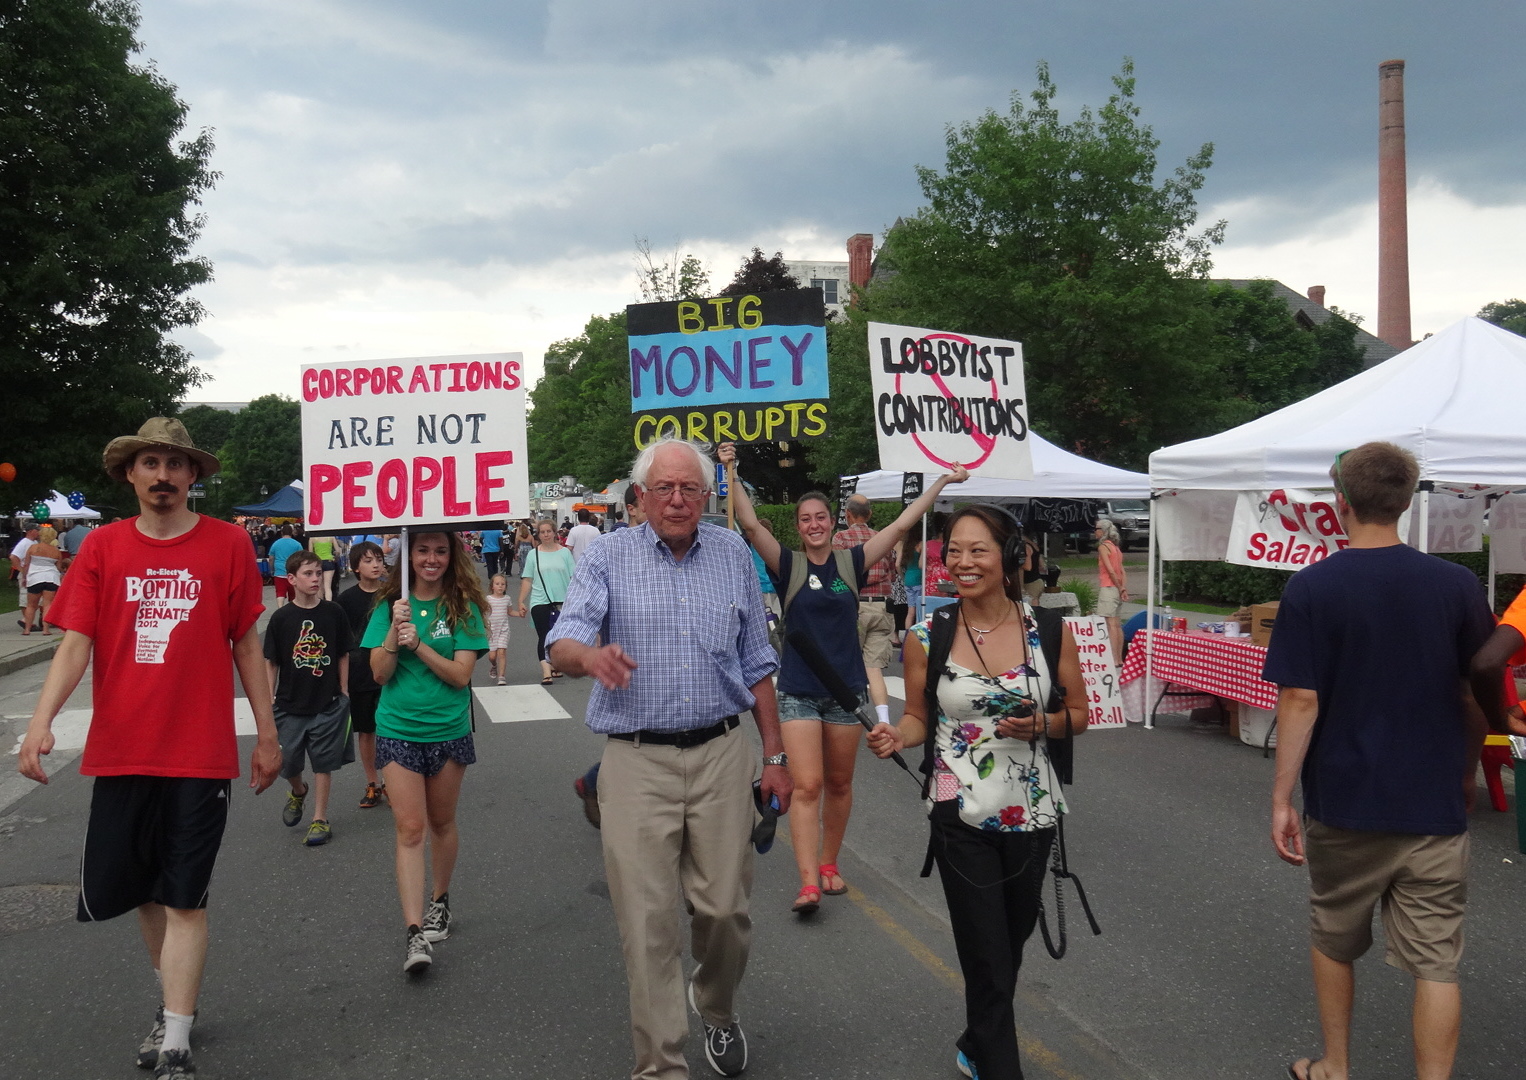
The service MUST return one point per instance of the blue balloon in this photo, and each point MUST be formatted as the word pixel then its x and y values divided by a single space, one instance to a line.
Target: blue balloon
pixel 76 499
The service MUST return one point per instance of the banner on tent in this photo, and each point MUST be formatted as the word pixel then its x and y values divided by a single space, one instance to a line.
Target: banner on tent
pixel 1507 534
pixel 731 368
pixel 1286 529
pixel 1104 693
pixel 943 399
pixel 1456 523
pixel 423 441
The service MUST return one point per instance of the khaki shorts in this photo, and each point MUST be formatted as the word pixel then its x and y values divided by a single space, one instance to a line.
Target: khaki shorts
pixel 1421 881
pixel 875 629
pixel 1108 603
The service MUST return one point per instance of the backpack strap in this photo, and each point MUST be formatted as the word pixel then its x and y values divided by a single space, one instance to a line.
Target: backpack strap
pixel 1051 626
pixel 800 566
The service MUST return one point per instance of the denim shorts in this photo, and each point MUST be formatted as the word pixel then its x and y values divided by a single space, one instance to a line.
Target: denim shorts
pixel 825 709
pixel 424 758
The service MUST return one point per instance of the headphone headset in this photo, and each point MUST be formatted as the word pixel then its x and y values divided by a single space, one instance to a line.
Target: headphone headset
pixel 1012 552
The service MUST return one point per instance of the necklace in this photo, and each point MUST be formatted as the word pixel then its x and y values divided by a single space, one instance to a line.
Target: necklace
pixel 980 635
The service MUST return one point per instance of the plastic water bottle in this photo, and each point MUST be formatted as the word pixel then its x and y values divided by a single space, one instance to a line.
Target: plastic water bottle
pixel 1168 622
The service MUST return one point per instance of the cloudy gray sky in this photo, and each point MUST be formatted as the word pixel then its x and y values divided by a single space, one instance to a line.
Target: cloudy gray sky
pixel 402 177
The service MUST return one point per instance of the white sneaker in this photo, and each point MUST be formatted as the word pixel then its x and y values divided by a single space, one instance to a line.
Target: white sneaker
pixel 418 955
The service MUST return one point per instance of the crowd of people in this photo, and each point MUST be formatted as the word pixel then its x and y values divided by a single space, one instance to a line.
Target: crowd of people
pixel 676 622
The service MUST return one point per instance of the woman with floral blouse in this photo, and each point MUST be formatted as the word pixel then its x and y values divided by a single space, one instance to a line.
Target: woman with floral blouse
pixel 995 797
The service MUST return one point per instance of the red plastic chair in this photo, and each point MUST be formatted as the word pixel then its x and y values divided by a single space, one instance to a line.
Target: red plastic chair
pixel 1493 759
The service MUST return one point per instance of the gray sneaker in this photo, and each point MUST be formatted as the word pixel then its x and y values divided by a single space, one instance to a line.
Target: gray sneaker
pixel 436 925
pixel 174 1065
pixel 418 955
pixel 291 813
pixel 725 1047
pixel 148 1053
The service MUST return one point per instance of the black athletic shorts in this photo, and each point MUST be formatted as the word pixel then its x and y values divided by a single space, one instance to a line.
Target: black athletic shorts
pixel 150 839
pixel 363 711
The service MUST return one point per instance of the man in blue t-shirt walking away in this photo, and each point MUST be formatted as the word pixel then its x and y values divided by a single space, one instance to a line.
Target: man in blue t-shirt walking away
pixel 1371 650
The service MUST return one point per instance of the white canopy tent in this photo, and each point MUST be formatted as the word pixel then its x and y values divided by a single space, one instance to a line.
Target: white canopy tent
pixel 60 510
pixel 1057 474
pixel 1453 400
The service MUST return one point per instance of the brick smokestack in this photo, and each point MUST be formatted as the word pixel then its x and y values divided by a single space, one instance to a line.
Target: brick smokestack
pixel 1393 212
pixel 1317 294
pixel 860 258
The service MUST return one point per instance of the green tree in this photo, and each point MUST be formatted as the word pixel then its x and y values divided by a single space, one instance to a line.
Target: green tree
pixel 210 428
pixel 1510 314
pixel 673 279
pixel 97 224
pixel 1060 236
pixel 580 412
pixel 264 449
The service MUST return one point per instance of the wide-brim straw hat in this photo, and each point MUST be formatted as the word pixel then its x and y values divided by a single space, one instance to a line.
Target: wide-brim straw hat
pixel 158 431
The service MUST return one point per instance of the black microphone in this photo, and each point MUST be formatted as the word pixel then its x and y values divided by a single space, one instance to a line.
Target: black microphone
pixel 805 647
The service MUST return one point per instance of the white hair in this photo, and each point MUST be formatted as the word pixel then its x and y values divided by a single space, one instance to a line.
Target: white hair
pixel 1109 529
pixel 643 463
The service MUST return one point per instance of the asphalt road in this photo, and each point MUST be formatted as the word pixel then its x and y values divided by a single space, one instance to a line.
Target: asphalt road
pixel 1201 971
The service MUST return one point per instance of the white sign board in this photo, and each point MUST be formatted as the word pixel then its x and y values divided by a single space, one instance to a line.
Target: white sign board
pixel 1507 534
pixel 1104 694
pixel 1284 529
pixel 1456 523
pixel 943 399
pixel 434 440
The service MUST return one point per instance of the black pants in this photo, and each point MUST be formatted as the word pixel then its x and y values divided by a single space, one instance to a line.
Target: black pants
pixel 540 615
pixel 898 616
pixel 491 559
pixel 991 925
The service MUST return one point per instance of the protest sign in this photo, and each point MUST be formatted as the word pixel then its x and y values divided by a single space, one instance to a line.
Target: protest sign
pixel 944 399
pixel 740 369
pixel 434 440
pixel 1104 693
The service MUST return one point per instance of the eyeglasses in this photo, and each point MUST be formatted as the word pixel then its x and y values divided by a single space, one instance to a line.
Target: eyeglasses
pixel 1335 475
pixel 691 492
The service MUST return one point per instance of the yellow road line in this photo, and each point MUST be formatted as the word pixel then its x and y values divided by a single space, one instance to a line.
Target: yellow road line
pixel 1031 1048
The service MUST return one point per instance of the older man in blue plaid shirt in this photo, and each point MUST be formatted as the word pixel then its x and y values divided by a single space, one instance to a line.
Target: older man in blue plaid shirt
pixel 685 649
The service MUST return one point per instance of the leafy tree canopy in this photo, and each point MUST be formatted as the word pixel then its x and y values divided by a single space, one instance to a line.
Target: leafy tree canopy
pixel 264 448
pixel 760 273
pixel 210 428
pixel 97 224
pixel 673 279
pixel 580 412
pixel 1058 235
pixel 1510 314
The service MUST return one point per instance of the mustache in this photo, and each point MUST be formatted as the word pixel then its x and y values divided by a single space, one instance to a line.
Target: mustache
pixel 168 488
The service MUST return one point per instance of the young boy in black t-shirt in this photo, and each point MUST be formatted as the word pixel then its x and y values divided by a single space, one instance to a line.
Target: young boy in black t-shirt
pixel 370 568
pixel 307 649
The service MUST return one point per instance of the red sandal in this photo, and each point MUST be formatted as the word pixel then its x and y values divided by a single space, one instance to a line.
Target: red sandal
pixel 808 900
pixel 830 870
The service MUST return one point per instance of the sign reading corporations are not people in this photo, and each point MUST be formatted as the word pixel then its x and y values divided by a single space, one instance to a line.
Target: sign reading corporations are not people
pixel 423 441
pixel 745 369
pixel 943 399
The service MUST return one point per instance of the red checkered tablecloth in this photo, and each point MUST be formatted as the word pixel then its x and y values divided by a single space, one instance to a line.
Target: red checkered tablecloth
pixel 1225 666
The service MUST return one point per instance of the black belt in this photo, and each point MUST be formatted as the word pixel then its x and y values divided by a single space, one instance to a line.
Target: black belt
pixel 680 739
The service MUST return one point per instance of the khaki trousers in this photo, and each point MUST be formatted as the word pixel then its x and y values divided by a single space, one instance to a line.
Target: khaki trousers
pixel 677 825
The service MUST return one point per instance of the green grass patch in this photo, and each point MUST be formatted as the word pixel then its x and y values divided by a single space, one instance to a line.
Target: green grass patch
pixel 1206 609
pixel 8 601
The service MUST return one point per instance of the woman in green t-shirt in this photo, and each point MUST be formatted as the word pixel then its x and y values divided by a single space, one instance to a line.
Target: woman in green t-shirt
pixel 423 650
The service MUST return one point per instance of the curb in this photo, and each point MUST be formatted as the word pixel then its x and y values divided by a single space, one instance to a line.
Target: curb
pixel 37 654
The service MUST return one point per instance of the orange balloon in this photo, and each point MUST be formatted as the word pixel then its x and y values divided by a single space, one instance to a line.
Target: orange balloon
pixel 7 471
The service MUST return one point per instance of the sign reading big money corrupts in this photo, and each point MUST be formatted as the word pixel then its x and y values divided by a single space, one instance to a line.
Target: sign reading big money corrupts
pixel 436 440
pixel 744 369
pixel 944 399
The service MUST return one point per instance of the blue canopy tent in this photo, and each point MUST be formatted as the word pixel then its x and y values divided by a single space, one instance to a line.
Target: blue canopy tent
pixel 288 502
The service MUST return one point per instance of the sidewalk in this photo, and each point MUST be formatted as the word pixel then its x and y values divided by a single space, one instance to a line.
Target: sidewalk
pixel 17 652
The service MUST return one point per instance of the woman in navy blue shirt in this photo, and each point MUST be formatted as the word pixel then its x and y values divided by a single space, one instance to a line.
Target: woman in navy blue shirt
pixel 821 739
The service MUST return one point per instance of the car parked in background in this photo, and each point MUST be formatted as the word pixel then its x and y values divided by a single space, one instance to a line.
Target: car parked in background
pixel 1132 516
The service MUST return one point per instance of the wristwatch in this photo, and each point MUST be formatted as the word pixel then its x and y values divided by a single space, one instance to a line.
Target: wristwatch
pixel 776 759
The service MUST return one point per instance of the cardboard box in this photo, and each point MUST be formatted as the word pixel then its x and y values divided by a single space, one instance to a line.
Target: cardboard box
pixel 1262 618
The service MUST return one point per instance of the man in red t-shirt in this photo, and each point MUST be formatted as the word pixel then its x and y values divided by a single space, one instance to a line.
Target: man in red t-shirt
pixel 161 602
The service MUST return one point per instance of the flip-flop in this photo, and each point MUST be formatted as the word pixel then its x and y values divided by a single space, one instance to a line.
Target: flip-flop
pixel 811 897
pixel 1293 1070
pixel 545 682
pixel 830 870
